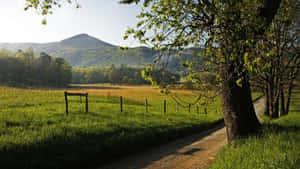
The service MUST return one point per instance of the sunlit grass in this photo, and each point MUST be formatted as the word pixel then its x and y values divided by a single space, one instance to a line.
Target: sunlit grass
pixel 36 133
pixel 277 148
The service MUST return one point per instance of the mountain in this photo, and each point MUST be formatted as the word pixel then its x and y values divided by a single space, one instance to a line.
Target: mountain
pixel 83 51
pixel 84 41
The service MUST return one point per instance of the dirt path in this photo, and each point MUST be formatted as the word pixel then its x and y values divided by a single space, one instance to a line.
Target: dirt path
pixel 193 152
pixel 259 108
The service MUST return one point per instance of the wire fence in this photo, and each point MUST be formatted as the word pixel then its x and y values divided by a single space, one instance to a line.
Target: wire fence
pixel 169 104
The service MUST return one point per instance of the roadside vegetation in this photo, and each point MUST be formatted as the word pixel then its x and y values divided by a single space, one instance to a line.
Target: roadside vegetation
pixel 277 148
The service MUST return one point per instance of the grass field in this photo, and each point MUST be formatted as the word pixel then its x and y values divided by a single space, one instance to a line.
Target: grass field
pixel 277 148
pixel 36 133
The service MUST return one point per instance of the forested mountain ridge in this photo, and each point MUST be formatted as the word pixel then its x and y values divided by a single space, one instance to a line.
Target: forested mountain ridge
pixel 83 51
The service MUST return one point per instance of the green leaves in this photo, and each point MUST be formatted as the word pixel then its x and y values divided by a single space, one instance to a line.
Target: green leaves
pixel 44 21
pixel 239 82
pixel 45 7
pixel 226 32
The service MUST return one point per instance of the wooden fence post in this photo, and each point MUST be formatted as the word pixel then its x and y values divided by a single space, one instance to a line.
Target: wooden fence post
pixel 165 106
pixel 176 107
pixel 189 108
pixel 121 104
pixel 197 109
pixel 76 94
pixel 66 100
pixel 205 111
pixel 146 105
pixel 86 103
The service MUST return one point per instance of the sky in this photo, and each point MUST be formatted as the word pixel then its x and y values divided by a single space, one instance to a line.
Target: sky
pixel 106 20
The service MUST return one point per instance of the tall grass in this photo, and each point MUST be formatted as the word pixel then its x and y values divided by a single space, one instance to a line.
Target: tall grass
pixel 277 148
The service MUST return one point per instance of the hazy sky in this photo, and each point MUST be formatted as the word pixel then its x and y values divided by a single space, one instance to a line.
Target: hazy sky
pixel 103 19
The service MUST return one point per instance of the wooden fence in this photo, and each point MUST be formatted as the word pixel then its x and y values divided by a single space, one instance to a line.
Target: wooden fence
pixel 122 102
pixel 76 94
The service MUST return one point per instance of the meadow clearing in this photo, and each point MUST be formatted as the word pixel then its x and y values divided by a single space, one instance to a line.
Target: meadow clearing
pixel 36 133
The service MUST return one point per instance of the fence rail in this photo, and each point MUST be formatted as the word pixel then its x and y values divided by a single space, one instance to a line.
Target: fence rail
pixel 76 94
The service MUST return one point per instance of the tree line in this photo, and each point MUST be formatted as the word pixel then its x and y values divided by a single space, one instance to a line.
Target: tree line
pixel 24 68
pixel 117 75
pixel 277 62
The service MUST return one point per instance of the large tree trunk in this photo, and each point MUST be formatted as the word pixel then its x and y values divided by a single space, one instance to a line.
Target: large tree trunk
pixel 239 114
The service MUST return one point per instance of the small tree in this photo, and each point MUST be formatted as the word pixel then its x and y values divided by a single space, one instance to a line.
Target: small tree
pixel 278 59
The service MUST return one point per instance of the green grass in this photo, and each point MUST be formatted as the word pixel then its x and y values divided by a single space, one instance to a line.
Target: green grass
pixel 277 148
pixel 256 95
pixel 36 133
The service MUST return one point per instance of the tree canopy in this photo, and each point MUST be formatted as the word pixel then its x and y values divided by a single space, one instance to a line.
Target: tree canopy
pixel 227 31
pixel 46 7
pixel 24 68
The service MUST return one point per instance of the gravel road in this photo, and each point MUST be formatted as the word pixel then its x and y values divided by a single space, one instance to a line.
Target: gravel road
pixel 192 152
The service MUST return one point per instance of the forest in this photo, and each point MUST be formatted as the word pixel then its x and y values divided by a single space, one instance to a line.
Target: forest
pixel 24 68
pixel 123 74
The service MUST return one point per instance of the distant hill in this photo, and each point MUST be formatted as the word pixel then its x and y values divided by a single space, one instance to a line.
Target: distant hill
pixel 83 51
pixel 84 41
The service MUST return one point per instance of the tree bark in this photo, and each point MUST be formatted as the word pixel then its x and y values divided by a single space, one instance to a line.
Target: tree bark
pixel 282 101
pixel 289 94
pixel 275 108
pixel 239 114
pixel 267 110
pixel 271 97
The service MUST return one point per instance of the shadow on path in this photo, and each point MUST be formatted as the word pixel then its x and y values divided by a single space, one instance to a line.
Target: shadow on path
pixel 194 151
